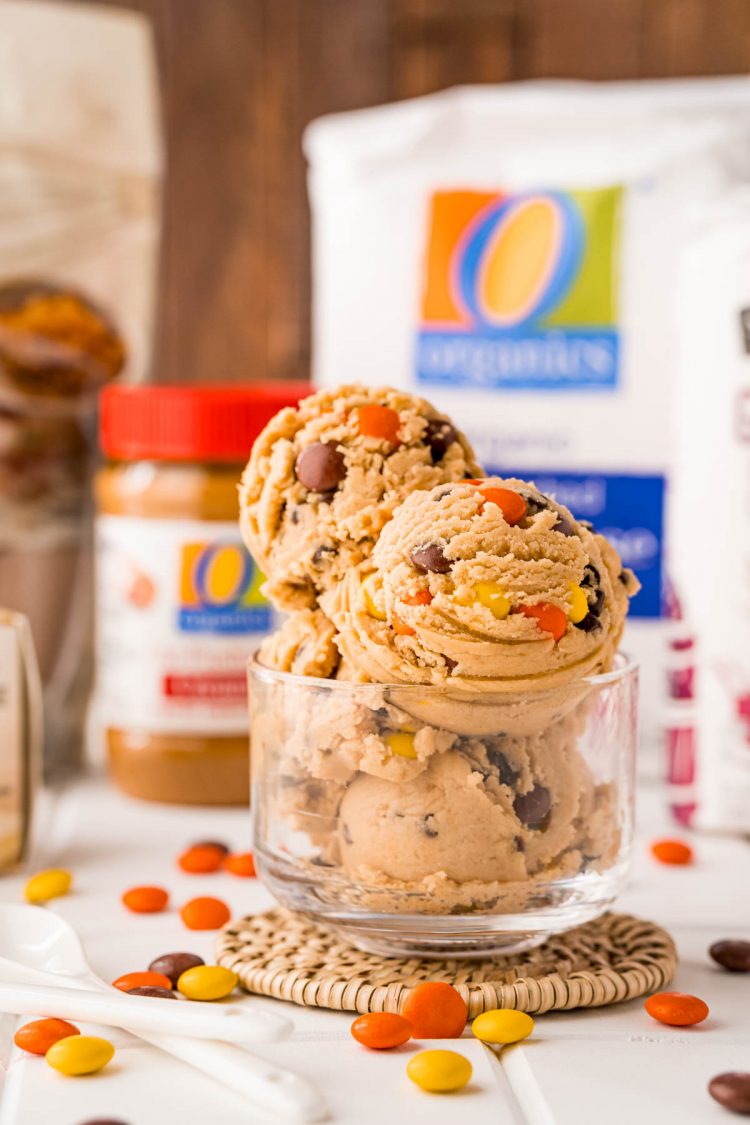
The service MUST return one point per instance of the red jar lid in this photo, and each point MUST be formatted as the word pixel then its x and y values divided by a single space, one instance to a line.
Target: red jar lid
pixel 190 423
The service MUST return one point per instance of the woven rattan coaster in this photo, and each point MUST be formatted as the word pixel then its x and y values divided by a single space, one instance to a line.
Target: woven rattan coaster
pixel 287 956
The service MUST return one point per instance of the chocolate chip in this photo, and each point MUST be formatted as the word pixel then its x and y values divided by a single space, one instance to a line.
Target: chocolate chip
pixel 591 576
pixel 320 466
pixel 346 834
pixel 589 624
pixel 440 436
pixel 533 808
pixel 320 551
pixel 732 955
pixel 587 524
pixel 294 515
pixel 150 990
pixel 450 663
pixel 428 826
pixel 442 495
pixel 565 526
pixel 597 605
pixel 318 861
pixel 173 965
pixel 430 557
pixel 732 1090
pixel 534 503
pixel 519 844
pixel 496 758
pixel 624 577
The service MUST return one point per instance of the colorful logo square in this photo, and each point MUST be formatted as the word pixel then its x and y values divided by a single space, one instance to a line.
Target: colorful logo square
pixel 219 590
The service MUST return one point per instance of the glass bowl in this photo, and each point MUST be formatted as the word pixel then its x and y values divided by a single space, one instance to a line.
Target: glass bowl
pixel 426 821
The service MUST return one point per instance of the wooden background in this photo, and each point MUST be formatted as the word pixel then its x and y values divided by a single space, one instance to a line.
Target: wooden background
pixel 241 79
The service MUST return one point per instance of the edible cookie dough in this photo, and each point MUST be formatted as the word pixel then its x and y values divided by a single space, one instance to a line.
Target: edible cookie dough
pixel 324 479
pixel 483 585
pixel 304 645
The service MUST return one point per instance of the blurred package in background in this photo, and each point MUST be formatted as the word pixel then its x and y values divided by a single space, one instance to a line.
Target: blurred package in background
pixel 79 233
pixel 514 253
pixel 20 735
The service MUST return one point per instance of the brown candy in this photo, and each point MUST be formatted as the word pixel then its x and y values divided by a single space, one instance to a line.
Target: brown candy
pixel 732 955
pixel 321 466
pixel 218 844
pixel 440 436
pixel 732 1090
pixel 152 990
pixel 431 557
pixel 173 965
pixel 533 808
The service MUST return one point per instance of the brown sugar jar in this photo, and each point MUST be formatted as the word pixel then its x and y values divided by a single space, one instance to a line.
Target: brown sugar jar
pixel 178 601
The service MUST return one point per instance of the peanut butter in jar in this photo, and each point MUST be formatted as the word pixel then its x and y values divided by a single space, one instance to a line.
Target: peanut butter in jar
pixel 179 602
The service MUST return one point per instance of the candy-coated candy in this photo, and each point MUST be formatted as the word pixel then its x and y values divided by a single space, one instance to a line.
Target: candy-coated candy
pixel 678 1009
pixel 436 1010
pixel 201 859
pixel 128 981
pixel 579 605
pixel 401 744
pixel 732 1090
pixel 242 864
pixel 207 982
pixel 321 466
pixel 549 618
pixel 674 852
pixel 369 588
pixel 145 900
pixel 38 1036
pixel 431 557
pixel 46 885
pixel 510 503
pixel 492 596
pixel 421 597
pixel 439 1071
pixel 505 1025
pixel 401 627
pixel 378 422
pixel 149 990
pixel 173 965
pixel 80 1054
pixel 381 1030
pixel 205 913
pixel 732 955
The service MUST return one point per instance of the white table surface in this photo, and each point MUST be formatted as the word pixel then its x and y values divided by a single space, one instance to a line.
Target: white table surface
pixel 612 1065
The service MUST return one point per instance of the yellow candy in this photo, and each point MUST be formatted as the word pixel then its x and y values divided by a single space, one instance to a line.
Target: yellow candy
pixel 506 1025
pixel 369 590
pixel 579 605
pixel 80 1054
pixel 401 744
pixel 207 982
pixel 439 1071
pixel 489 594
pixel 48 884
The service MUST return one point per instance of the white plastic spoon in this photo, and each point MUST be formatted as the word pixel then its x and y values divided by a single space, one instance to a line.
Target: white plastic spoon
pixel 38 947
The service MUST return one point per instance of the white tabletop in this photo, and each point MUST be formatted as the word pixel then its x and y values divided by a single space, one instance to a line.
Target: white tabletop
pixel 581 1068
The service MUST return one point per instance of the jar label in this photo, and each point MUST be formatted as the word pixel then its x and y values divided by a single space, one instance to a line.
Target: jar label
pixel 179 612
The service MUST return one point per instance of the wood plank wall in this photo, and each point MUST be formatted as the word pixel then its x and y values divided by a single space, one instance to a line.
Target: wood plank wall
pixel 241 79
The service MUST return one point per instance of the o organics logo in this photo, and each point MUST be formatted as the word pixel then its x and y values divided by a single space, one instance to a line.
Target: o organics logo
pixel 220 590
pixel 519 290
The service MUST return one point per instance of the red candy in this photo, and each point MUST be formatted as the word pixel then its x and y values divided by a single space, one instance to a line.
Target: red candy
pixel 38 1036
pixel 677 1009
pixel 672 851
pixel 201 859
pixel 510 503
pixel 378 422
pixel 381 1030
pixel 422 597
pixel 436 1010
pixel 549 618
pixel 205 914
pixel 145 900
pixel 242 864
pixel 129 981
pixel 402 628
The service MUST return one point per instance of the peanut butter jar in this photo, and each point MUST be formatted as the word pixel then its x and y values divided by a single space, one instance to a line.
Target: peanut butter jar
pixel 178 598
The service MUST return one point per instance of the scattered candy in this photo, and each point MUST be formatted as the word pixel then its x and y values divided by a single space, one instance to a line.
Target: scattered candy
pixel 678 1009
pixel 533 808
pixel 201 859
pixel 46 885
pixel 732 1090
pixel 321 466
pixel 207 982
pixel 440 436
pixel 145 900
pixel 505 1025
pixel 173 965
pixel 401 744
pixel 439 1071
pixel 732 955
pixel 369 591
pixel 80 1054
pixel 492 596
pixel 510 503
pixel 128 981
pixel 38 1036
pixel 381 1030
pixel 378 422
pixel 579 605
pixel 549 618
pixel 205 914
pixel 149 990
pixel 242 864
pixel 672 851
pixel 436 1010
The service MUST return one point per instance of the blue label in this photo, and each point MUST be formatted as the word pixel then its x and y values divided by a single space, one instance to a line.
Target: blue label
pixel 628 510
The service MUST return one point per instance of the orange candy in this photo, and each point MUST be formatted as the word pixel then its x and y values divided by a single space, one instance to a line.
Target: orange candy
pixel 672 851
pixel 38 1036
pixel 678 1009
pixel 422 597
pixel 510 503
pixel 548 617
pixel 241 863
pixel 402 628
pixel 378 422
pixel 200 859
pixel 145 900
pixel 141 980
pixel 381 1030
pixel 205 914
pixel 435 1010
